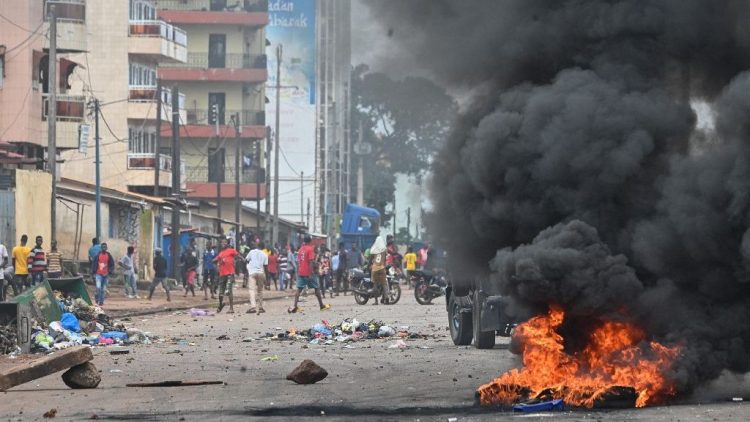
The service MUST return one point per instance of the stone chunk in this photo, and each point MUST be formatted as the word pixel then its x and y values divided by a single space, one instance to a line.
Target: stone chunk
pixel 308 372
pixel 82 376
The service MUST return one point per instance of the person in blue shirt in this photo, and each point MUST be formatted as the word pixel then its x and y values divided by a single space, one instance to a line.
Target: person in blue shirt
pixel 209 272
pixel 94 249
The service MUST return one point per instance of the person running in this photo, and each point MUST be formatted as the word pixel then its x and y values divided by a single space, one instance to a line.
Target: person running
pixel 225 263
pixel 54 261
pixel 378 252
pixel 239 268
pixel 305 275
pixel 160 274
pixel 191 271
pixel 209 272
pixel 128 274
pixel 273 269
pixel 37 262
pixel 102 266
pixel 257 268
pixel 20 256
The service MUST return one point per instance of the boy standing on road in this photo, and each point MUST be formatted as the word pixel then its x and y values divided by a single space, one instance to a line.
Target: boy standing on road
pixel 225 263
pixel 102 267
pixel 257 268
pixel 21 263
pixel 37 262
pixel 128 274
pixel 305 275
pixel 410 259
pixel 160 274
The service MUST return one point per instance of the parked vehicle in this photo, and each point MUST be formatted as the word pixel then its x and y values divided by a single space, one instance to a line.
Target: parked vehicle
pixel 427 285
pixel 362 286
pixel 476 312
pixel 359 225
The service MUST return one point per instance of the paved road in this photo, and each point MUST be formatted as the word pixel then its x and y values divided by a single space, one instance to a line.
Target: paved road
pixel 431 380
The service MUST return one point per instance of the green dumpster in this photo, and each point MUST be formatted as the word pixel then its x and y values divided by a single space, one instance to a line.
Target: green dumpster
pixel 42 302
pixel 73 285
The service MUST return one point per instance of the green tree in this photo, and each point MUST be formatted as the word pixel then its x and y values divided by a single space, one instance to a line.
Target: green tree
pixel 405 122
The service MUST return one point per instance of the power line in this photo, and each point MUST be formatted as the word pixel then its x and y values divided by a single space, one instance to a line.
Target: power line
pixel 19 45
pixel 14 24
pixel 20 110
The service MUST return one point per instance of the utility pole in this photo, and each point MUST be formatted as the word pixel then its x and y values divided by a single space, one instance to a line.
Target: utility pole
pixel 408 224
pixel 360 172
pixel 214 111
pixel 308 214
pixel 52 116
pixel 98 181
pixel 394 217
pixel 275 233
pixel 157 147
pixel 267 225
pixel 237 169
pixel 257 188
pixel 302 197
pixel 175 244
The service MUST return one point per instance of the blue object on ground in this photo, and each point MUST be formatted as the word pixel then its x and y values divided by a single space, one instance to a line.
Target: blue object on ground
pixel 70 322
pixel 556 405
pixel 322 329
pixel 115 335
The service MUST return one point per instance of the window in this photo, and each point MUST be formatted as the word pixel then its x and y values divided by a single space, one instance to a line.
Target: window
pixel 141 139
pixel 123 222
pixel 142 10
pixel 142 75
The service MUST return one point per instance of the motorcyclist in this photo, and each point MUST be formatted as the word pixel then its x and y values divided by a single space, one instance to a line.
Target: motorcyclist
pixel 378 252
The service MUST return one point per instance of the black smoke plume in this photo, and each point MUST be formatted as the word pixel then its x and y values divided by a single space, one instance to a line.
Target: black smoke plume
pixel 580 153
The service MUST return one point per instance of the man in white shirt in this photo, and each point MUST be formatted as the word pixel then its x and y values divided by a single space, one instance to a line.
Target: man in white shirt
pixel 257 269
pixel 4 260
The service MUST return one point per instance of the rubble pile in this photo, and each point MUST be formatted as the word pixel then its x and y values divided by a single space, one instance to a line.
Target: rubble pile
pixel 348 330
pixel 82 323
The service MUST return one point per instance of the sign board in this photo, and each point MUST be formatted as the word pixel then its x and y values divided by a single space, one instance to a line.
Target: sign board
pixel 83 138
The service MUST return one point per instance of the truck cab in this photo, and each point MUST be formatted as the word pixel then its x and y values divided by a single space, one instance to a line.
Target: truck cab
pixel 360 225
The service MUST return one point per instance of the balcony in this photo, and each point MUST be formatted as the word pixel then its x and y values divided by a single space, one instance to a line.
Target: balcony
pixel 146 161
pixel 247 117
pixel 199 185
pixel 142 103
pixel 71 110
pixel 252 13
pixel 202 66
pixel 71 25
pixel 158 38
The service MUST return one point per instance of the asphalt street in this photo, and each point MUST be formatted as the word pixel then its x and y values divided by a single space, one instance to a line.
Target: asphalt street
pixel 429 380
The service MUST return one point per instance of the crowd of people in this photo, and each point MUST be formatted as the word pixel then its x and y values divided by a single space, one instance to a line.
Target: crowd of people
pixel 254 264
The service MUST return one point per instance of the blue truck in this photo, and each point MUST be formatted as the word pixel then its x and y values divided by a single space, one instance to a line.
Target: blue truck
pixel 359 225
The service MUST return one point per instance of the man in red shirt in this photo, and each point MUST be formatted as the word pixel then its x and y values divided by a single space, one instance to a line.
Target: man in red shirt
pixel 305 275
pixel 101 267
pixel 225 263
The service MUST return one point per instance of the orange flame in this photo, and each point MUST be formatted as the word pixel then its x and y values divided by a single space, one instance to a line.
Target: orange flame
pixel 616 355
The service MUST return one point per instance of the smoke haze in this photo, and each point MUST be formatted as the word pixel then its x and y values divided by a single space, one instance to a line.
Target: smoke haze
pixel 578 172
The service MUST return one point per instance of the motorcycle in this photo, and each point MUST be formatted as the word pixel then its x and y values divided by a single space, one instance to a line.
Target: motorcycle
pixel 362 288
pixel 427 285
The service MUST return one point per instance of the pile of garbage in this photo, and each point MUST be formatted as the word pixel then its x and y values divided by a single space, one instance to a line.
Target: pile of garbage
pixel 82 323
pixel 348 330
pixel 8 335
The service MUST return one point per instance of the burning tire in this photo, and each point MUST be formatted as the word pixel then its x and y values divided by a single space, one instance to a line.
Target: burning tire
pixel 482 339
pixel 460 323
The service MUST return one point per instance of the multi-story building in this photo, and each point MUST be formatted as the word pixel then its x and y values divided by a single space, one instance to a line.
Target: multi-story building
pixel 224 78
pixel 24 44
pixel 126 44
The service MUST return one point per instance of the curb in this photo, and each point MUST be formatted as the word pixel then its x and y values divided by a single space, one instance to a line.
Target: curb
pixel 127 314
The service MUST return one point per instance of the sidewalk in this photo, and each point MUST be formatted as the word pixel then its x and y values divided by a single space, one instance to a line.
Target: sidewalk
pixel 118 305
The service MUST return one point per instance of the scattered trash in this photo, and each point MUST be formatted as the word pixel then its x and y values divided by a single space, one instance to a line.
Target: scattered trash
pixel 175 384
pixel 196 312
pixel 50 413
pixel 452 419
pixel 70 322
pixel 119 352
pixel 398 344
pixel 273 358
pixel 223 337
pixel 386 331
pixel 248 340
pixel 308 372
pixel 115 371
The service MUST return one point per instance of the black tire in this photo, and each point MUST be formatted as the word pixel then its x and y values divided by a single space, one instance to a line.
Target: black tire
pixel 460 323
pixel 482 339
pixel 394 293
pixel 360 298
pixel 422 292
